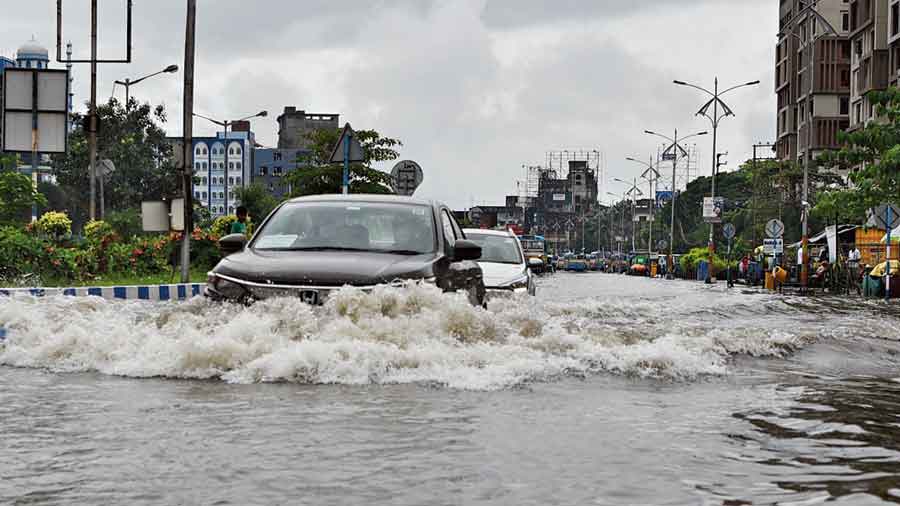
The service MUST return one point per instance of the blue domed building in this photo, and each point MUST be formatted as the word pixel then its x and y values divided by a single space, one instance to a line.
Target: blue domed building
pixel 32 55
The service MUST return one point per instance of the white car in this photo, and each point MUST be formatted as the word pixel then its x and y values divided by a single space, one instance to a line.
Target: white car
pixel 502 261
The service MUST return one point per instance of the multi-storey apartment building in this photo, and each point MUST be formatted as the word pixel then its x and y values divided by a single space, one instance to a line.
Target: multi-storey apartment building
pixel 812 77
pixel 869 39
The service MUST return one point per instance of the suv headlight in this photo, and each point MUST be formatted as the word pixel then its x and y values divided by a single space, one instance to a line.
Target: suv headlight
pixel 517 285
pixel 224 287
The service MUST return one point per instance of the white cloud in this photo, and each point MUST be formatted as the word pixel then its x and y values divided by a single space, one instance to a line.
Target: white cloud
pixel 474 88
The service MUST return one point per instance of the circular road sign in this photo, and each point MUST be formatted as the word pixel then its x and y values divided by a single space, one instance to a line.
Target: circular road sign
pixel 774 228
pixel 728 231
pixel 663 244
pixel 407 176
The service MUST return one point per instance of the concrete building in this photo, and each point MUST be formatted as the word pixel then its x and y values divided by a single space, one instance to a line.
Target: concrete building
pixel 221 164
pixel 812 78
pixel 270 166
pixel 870 65
pixel 294 126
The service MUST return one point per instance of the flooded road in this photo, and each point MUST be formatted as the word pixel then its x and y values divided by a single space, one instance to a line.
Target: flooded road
pixel 604 390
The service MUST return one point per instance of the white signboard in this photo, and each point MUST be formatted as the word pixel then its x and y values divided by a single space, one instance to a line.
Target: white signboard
pixel 773 246
pixel 559 197
pixel 831 233
pixel 713 208
pixel 26 120
pixel 155 216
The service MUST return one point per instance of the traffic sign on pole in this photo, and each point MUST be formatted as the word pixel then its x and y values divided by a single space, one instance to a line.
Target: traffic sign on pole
pixel 887 216
pixel 728 231
pixel 774 228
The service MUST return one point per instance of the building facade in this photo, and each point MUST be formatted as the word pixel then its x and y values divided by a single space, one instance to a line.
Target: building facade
pixel 294 127
pixel 812 78
pixel 222 164
pixel 870 65
pixel 271 166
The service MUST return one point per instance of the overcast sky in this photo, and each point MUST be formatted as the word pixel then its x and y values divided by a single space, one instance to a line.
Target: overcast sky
pixel 475 89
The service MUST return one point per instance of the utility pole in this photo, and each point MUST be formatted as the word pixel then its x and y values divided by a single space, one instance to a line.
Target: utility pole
pixel 92 121
pixel 188 121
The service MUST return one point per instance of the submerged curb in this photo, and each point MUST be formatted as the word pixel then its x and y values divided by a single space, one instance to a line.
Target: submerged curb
pixel 140 292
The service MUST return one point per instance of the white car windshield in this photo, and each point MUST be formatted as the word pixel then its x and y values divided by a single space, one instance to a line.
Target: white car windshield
pixel 351 226
pixel 497 249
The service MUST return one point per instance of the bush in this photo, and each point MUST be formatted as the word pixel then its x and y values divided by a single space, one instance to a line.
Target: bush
pixel 20 253
pixel 692 260
pixel 97 231
pixel 126 223
pixel 55 224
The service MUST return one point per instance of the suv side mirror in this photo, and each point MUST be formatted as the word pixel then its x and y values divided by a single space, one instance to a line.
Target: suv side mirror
pixel 466 250
pixel 232 243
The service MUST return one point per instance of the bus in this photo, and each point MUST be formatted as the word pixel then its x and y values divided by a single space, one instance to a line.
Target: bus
pixel 534 247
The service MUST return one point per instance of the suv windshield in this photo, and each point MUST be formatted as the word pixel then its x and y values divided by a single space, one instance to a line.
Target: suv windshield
pixel 354 226
pixel 497 249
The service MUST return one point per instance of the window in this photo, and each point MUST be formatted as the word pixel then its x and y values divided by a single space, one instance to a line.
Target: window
pixel 845 21
pixel 204 195
pixel 222 180
pixel 895 19
pixel 237 165
pixel 263 170
pixel 203 180
pixel 276 156
pixel 277 171
pixel 845 78
pixel 845 105
pixel 221 210
pixel 449 232
pixel 196 195
pixel 230 180
pixel 230 209
pixel 231 165
pixel 237 180
pixel 198 165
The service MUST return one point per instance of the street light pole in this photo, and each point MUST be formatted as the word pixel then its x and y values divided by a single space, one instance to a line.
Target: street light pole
pixel 128 83
pixel 187 175
pixel 715 102
pixel 675 147
pixel 654 176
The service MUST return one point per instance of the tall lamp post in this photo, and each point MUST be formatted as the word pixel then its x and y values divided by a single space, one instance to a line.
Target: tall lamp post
pixel 633 192
pixel 714 118
pixel 651 175
pixel 225 125
pixel 128 83
pixel 675 147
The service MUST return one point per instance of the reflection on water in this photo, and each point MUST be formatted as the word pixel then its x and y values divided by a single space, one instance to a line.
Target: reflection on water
pixel 840 438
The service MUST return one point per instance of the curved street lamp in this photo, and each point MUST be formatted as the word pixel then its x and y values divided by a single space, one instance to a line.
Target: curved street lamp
pixel 675 147
pixel 128 83
pixel 714 119
pixel 653 176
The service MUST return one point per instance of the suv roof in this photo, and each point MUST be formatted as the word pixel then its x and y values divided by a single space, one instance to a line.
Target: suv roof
pixel 368 197
pixel 482 231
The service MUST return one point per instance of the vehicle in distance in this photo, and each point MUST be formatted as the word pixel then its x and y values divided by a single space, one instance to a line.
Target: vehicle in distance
pixel 311 246
pixel 503 261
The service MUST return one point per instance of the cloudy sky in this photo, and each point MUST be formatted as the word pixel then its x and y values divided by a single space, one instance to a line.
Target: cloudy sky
pixel 475 89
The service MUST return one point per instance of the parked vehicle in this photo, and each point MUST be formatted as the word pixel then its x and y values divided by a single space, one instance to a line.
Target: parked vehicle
pixel 503 261
pixel 577 263
pixel 311 246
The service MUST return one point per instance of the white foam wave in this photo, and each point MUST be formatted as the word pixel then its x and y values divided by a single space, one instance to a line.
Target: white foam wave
pixel 389 336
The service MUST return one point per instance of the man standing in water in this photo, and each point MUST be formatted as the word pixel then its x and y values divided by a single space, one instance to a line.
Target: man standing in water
pixel 240 226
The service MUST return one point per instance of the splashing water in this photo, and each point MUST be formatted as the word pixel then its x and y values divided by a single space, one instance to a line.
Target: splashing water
pixel 401 335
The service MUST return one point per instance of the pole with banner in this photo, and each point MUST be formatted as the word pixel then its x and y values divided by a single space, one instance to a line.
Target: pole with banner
pixel 347 150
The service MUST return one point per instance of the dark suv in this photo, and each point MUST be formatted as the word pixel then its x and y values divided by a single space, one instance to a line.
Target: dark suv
pixel 311 246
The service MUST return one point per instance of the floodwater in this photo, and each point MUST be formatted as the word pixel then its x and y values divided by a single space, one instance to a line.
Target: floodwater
pixel 603 390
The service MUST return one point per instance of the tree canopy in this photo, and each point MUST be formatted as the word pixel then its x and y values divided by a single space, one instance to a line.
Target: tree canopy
pixel 320 176
pixel 17 193
pixel 132 138
pixel 871 154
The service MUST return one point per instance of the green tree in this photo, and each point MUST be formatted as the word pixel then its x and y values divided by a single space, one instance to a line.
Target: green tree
pixel 132 138
pixel 17 194
pixel 258 201
pixel 872 155
pixel 319 176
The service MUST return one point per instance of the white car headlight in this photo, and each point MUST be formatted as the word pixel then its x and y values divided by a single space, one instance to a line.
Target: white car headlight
pixel 520 283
